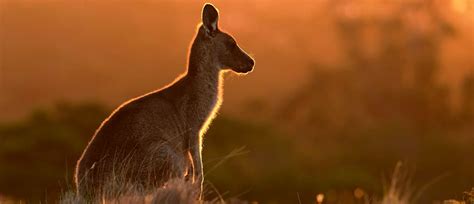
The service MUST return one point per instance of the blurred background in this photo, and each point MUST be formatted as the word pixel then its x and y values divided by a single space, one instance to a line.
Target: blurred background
pixel 342 90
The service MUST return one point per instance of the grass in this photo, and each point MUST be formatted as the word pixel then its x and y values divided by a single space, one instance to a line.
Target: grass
pixel 398 190
pixel 175 191
pixel 119 188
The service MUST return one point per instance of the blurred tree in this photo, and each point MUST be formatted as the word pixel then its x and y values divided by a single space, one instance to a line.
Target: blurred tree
pixel 393 78
pixel 385 103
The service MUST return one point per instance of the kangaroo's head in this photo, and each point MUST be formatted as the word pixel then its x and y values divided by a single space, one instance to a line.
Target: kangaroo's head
pixel 218 47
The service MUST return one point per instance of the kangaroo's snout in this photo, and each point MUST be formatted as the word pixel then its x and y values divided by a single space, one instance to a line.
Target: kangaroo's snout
pixel 248 66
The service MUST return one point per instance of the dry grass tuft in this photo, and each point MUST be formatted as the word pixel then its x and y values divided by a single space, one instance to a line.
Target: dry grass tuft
pixel 398 191
pixel 174 191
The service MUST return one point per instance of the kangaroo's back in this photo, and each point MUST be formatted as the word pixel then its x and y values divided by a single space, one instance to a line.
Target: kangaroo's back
pixel 134 144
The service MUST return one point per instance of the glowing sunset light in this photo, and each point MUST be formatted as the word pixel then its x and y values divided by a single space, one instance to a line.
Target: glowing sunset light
pixel 342 92
pixel 320 198
pixel 460 6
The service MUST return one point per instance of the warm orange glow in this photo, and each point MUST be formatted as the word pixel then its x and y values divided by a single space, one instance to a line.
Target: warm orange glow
pixel 359 193
pixel 320 198
pixel 342 90
pixel 459 5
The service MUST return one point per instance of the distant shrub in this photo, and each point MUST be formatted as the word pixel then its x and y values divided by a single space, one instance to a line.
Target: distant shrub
pixel 41 150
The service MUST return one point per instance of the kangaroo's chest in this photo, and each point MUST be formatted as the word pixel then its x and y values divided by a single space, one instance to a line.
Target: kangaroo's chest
pixel 202 106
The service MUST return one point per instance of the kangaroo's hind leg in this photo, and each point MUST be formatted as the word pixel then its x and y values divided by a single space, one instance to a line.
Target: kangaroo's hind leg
pixel 167 163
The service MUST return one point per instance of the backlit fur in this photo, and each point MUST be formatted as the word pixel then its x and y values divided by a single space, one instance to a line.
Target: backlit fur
pixel 158 136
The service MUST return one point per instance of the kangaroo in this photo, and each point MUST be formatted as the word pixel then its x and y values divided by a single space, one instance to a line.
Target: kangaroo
pixel 152 138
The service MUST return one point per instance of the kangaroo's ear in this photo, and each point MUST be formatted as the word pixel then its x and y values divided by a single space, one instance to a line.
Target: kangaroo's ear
pixel 210 15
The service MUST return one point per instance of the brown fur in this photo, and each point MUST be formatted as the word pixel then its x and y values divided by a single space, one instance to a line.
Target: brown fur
pixel 158 136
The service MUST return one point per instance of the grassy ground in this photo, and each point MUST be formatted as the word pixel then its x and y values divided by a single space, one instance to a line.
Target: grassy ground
pixel 397 191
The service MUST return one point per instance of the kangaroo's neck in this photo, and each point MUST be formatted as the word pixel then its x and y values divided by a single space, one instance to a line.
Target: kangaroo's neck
pixel 203 74
pixel 204 81
pixel 202 71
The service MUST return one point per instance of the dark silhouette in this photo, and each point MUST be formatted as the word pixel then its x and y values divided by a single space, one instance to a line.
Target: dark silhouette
pixel 158 136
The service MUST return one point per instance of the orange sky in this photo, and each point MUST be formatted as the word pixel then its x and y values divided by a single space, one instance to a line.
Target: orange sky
pixel 109 51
